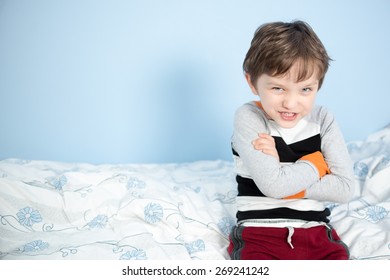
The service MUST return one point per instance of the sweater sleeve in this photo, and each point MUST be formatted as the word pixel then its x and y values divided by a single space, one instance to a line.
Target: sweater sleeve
pixel 272 178
pixel 337 186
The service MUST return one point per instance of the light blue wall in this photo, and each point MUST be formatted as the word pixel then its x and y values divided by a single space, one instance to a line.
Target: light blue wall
pixel 159 81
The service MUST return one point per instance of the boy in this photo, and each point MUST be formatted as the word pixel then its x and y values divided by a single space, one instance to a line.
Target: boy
pixel 290 155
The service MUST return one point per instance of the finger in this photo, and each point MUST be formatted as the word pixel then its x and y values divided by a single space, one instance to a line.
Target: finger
pixel 261 143
pixel 271 152
pixel 266 136
pixel 264 146
pixel 263 135
pixel 267 142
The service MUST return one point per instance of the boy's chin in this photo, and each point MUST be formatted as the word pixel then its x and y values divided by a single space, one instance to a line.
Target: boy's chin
pixel 287 124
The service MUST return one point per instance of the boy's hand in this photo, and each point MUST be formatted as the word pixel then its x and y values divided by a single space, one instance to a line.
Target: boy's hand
pixel 266 144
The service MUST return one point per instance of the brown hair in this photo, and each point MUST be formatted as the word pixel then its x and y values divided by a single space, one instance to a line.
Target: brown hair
pixel 277 46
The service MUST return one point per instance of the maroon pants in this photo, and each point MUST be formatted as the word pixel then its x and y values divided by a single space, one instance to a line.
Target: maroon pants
pixel 271 243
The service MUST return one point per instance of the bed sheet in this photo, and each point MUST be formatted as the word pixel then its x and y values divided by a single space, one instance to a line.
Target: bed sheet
pixel 364 223
pixel 57 210
pixel 53 210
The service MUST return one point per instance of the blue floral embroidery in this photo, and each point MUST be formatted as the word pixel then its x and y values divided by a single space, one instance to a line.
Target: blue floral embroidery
pixel 153 213
pixel 228 198
pixel 196 246
pixel 225 225
pixel 58 182
pixel 65 251
pixel 135 183
pixel 34 246
pixel 28 216
pixel 375 213
pixel 360 169
pixel 136 254
pixel 99 221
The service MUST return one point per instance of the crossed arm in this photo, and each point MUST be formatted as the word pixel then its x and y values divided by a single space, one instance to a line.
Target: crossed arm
pixel 325 175
pixel 266 144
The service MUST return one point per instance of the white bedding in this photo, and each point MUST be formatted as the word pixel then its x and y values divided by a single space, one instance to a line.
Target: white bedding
pixel 52 210
pixel 364 223
pixel 56 210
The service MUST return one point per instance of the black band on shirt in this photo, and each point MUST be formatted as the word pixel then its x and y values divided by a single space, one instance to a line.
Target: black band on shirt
pixel 285 213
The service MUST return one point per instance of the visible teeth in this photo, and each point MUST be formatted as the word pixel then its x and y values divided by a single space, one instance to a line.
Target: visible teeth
pixel 288 114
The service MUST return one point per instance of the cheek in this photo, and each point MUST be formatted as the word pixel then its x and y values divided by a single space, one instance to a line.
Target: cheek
pixel 308 103
pixel 269 98
pixel 271 106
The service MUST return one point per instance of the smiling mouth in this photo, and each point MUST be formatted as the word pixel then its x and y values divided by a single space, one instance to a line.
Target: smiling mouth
pixel 288 116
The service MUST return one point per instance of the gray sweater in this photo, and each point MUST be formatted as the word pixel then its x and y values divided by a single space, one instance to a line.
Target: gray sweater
pixel 277 180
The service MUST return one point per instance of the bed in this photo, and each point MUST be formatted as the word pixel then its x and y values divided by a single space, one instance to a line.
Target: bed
pixel 183 211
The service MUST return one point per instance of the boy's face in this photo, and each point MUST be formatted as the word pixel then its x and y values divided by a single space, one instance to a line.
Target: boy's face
pixel 285 100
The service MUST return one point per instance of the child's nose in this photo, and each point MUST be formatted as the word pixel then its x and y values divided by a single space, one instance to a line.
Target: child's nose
pixel 289 101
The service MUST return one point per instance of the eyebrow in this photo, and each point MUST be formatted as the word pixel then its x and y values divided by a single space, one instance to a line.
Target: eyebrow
pixel 281 84
pixel 274 82
pixel 312 84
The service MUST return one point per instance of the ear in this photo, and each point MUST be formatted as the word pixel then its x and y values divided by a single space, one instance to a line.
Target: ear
pixel 251 85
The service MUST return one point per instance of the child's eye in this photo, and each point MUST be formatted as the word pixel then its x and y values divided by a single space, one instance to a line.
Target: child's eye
pixel 306 90
pixel 277 89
